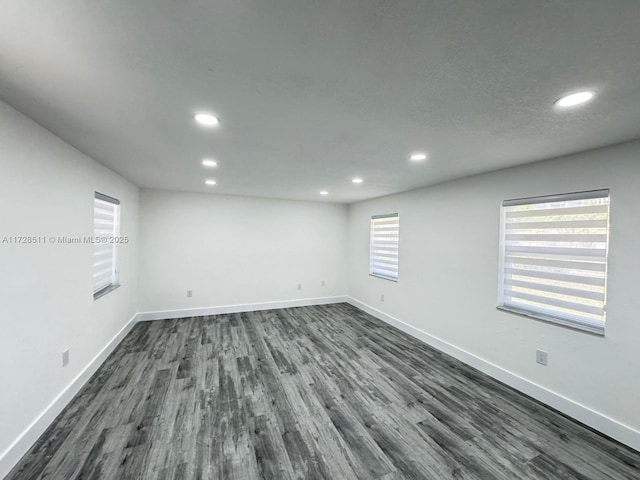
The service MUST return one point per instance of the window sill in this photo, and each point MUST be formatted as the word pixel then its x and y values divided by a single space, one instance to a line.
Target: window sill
pixel 104 291
pixel 391 279
pixel 557 321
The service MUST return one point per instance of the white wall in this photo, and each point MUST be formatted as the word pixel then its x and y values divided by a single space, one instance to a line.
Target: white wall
pixel 448 282
pixel 234 250
pixel 46 290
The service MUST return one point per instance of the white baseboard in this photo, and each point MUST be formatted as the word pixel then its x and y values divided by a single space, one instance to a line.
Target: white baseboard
pixel 596 420
pixel 246 307
pixel 12 455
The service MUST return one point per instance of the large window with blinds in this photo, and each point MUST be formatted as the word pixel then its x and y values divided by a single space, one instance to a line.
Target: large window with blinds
pixel 106 230
pixel 553 258
pixel 383 248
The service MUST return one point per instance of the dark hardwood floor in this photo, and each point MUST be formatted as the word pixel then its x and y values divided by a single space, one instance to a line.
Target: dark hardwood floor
pixel 324 392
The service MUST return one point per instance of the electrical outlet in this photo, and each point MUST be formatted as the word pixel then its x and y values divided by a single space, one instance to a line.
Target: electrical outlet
pixel 65 358
pixel 189 293
pixel 299 286
pixel 322 283
pixel 541 357
pixel 382 297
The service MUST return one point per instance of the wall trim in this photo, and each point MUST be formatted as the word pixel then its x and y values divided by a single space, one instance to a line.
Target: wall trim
pixel 245 307
pixel 596 420
pixel 14 453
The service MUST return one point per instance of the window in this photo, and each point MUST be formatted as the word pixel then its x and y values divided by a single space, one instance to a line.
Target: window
pixel 383 249
pixel 553 262
pixel 106 229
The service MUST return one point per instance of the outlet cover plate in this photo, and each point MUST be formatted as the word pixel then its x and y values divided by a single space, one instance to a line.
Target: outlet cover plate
pixel 541 357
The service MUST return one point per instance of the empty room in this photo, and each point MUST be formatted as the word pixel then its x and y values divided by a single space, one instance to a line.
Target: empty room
pixel 294 239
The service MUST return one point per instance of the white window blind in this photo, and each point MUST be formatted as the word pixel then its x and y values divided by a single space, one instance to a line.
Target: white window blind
pixel 383 249
pixel 106 226
pixel 554 258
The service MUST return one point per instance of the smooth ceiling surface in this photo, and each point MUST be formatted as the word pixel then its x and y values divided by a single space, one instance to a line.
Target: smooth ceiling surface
pixel 313 93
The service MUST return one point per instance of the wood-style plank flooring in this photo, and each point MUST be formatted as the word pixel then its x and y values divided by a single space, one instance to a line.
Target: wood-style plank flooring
pixel 325 392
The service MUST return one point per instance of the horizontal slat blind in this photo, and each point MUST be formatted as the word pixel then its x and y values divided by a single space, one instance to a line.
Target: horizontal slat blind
pixel 554 257
pixel 383 250
pixel 106 224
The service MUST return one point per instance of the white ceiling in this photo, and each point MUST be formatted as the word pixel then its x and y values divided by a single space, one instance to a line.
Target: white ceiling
pixel 314 92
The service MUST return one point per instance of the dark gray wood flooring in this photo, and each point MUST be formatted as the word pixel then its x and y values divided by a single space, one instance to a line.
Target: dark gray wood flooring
pixel 324 392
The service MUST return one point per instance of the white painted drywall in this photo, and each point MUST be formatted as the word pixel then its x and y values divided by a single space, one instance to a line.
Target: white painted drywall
pixel 46 290
pixel 232 250
pixel 449 272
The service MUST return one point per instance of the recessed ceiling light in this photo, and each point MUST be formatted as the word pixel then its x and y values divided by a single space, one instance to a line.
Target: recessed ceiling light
pixel 324 192
pixel 210 182
pixel 574 99
pixel 208 162
pixel 418 157
pixel 207 119
pixel 356 180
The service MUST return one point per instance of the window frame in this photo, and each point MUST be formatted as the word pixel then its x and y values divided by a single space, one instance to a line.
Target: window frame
pixel 115 277
pixel 567 321
pixel 372 270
